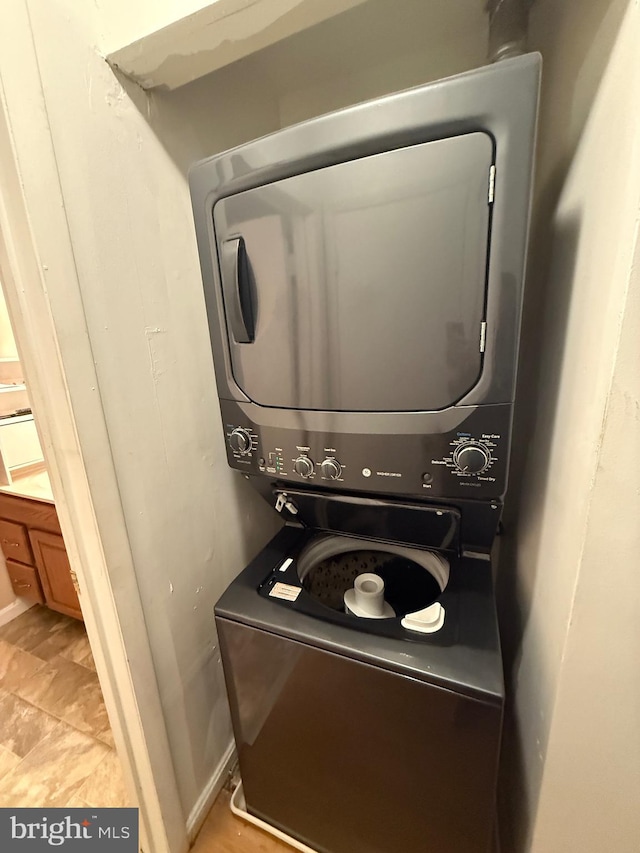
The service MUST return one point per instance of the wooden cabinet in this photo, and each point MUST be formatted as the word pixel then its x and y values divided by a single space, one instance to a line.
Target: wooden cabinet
pixel 37 561
pixel 15 542
pixel 25 581
pixel 55 572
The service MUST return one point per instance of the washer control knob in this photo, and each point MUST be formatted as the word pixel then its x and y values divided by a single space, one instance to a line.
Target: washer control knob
pixel 240 441
pixel 331 469
pixel 303 466
pixel 472 458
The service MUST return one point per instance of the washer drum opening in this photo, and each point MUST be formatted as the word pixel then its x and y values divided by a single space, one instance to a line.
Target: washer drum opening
pixel 414 579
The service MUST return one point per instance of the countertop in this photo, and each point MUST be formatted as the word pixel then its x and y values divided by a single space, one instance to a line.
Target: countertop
pixel 35 485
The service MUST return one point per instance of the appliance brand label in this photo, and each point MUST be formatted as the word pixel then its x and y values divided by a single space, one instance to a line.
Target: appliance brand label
pixel 388 474
pixel 285 591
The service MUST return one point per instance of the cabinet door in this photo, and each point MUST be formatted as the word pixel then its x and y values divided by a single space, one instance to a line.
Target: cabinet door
pixel 55 572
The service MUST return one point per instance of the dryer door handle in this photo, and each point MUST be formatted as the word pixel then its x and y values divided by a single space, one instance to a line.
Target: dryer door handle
pixel 236 289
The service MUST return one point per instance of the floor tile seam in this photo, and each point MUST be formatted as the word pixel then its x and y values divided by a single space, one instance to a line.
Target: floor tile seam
pixel 31 703
pixel 16 645
pixel 79 663
pixel 34 746
pixel 58 653
pixel 84 792
pixel 75 792
pixel 55 719
pixel 95 735
pixel 52 791
pixel 88 780
pixel 35 704
pixel 56 672
pixel 22 649
pixel 82 731
pixel 52 736
pixel 17 648
pixel 106 731
pixel 70 641
pixel 61 718
pixel 49 735
pixel 4 747
pixel 73 663
pixel 67 658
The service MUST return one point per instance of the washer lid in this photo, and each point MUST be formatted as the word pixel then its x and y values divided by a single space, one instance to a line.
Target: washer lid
pixel 424 525
pixel 464 656
pixel 360 286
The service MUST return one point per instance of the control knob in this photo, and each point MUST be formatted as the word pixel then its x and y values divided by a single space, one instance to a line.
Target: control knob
pixel 303 466
pixel 472 458
pixel 331 469
pixel 240 441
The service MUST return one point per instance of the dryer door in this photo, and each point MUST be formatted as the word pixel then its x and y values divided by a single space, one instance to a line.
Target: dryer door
pixel 361 286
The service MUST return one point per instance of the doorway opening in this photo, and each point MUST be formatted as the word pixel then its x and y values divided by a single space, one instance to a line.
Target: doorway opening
pixel 56 744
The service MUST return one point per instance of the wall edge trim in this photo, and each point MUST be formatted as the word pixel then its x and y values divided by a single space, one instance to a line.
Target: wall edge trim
pixel 214 785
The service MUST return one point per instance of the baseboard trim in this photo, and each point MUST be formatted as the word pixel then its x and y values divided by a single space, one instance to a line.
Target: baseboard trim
pixel 211 790
pixel 29 468
pixel 13 610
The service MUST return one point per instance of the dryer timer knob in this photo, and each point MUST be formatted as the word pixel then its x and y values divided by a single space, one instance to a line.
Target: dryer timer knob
pixel 240 441
pixel 472 458
pixel 331 469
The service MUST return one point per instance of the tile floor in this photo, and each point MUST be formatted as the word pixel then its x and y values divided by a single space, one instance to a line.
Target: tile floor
pixel 56 747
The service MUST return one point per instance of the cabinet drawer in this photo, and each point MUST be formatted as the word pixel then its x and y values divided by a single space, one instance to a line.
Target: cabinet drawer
pixel 14 541
pixel 25 581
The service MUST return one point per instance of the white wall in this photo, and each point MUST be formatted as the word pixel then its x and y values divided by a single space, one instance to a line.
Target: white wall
pixel 7 595
pixel 190 522
pixel 7 342
pixel 221 33
pixel 7 350
pixel 585 222
pixel 370 51
pixel 120 22
pixel 122 155
pixel 591 783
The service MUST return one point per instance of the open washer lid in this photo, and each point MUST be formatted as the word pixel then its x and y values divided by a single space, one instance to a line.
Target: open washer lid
pixel 422 525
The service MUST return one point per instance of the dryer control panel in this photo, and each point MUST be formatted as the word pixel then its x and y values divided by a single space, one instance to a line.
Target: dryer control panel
pixel 469 461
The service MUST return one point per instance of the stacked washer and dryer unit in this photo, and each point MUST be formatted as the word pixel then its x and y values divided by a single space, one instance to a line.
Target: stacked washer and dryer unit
pixel 363 274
